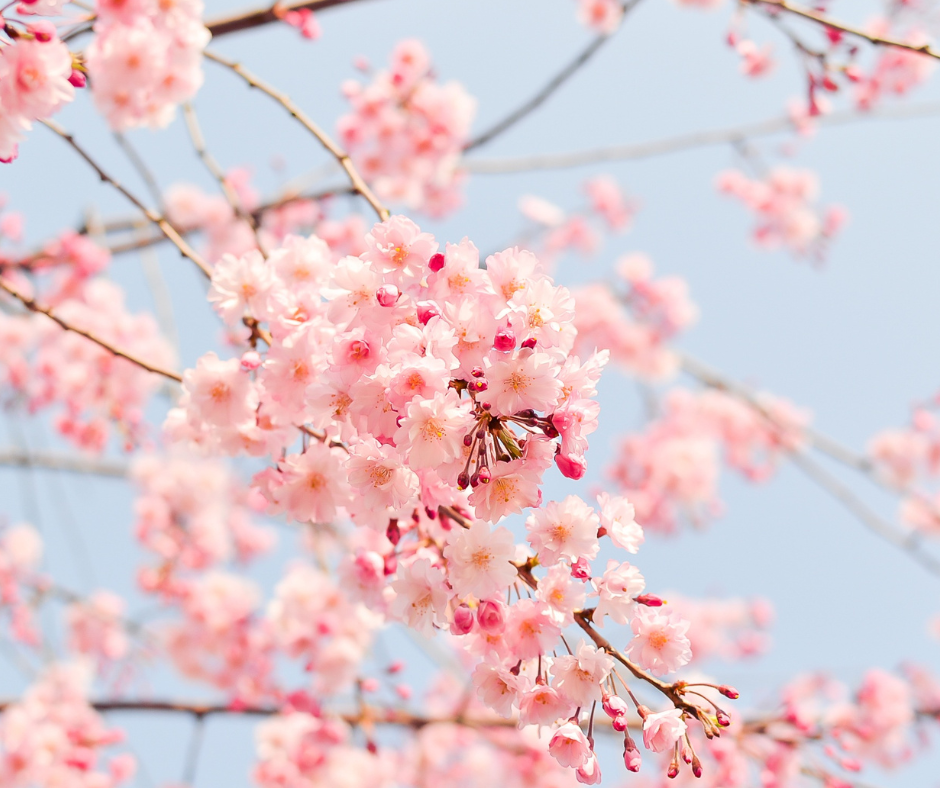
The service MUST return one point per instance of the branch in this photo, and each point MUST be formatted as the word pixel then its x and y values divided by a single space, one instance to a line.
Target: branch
pixel 337 152
pixel 199 144
pixel 165 227
pixel 816 16
pixel 572 68
pixel 59 461
pixel 699 139
pixel 233 23
pixel 32 306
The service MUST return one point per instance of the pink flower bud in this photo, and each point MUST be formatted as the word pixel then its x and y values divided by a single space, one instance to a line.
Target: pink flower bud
pixel 530 343
pixel 463 480
pixel 436 263
pixel 484 475
pixel 387 295
pixel 391 564
pixel 369 685
pixel 620 724
pixel 581 570
pixel 43 30
pixel 393 532
pixel 251 360
pixel 696 766
pixel 491 615
pixel 505 340
pixel 729 692
pixel 478 385
pixel 463 620
pixel 631 756
pixel 426 311
pixel 673 771
pixel 614 706
pixel 723 719
pixel 571 467
pixel 477 372
pixel 396 667
pixel 650 600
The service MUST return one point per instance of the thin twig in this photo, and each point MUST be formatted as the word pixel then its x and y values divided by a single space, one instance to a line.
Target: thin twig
pixel 906 541
pixel 833 24
pixel 165 227
pixel 199 144
pixel 682 142
pixel 59 461
pixel 32 306
pixel 192 753
pixel 335 150
pixel 143 170
pixel 566 73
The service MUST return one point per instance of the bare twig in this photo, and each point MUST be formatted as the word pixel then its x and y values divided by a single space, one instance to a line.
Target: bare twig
pixel 32 306
pixel 566 73
pixel 816 16
pixel 143 170
pixel 199 144
pixel 60 461
pixel 682 142
pixel 165 227
pixel 337 152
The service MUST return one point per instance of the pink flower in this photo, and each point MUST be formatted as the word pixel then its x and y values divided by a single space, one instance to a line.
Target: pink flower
pixel 602 16
pixel 663 729
pixel 400 250
pixel 531 630
pixel 542 705
pixel 496 687
pixel 617 517
pixel 513 487
pixel 616 592
pixel 590 772
pixel 527 380
pixel 432 432
pixel 241 285
pixel 564 530
pixel 379 478
pixel 659 641
pixel 562 593
pixel 579 677
pixel 310 486
pixel 478 560
pixel 421 596
pixel 34 78
pixel 220 392
pixel 569 746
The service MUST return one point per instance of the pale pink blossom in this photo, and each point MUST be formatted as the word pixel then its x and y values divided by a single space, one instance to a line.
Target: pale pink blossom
pixel 659 644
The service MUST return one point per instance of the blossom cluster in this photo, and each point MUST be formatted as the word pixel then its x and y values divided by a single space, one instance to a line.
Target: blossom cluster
pixel 672 467
pixel 145 59
pixel 783 204
pixel 406 132
pixel 37 78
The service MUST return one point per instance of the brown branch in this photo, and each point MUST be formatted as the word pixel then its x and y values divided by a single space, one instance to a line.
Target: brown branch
pixel 166 228
pixel 337 152
pixel 566 73
pixel 256 17
pixel 816 16
pixel 32 306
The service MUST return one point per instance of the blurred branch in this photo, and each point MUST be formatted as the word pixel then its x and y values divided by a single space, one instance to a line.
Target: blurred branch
pixel 816 16
pixel 572 68
pixel 165 227
pixel 32 306
pixel 699 139
pixel 285 101
pixel 60 461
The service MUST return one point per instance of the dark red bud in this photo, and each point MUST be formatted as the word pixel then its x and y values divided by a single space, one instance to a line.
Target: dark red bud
pixel 436 263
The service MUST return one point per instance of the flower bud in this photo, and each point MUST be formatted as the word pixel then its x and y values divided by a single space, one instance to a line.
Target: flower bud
pixel 505 340
pixel 251 360
pixel 491 616
pixel 571 467
pixel 463 480
pixel 631 755
pixel 615 706
pixel 484 475
pixel 393 532
pixel 463 620
pixel 723 719
pixel 478 385
pixel 696 766
pixel 530 343
pixel 43 30
pixel 620 724
pixel 650 600
pixel 387 295
pixel 391 564
pixel 477 372
pixel 77 79
pixel 581 570
pixel 426 311
pixel 729 692
pixel 436 263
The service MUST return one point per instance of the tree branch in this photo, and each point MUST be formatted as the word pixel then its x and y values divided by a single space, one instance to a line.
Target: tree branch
pixel 166 228
pixel 256 17
pixel 59 461
pixel 32 306
pixel 337 152
pixel 572 68
pixel 682 142
pixel 816 16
